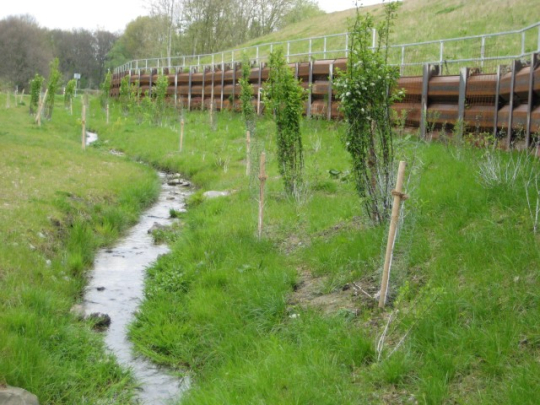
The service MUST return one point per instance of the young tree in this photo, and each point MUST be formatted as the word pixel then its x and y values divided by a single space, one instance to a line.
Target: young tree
pixel 284 98
pixel 70 92
pixel 366 90
pixel 106 89
pixel 35 90
pixel 52 86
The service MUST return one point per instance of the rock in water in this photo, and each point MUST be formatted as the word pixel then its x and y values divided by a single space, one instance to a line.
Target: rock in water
pixel 156 227
pixel 101 321
pixel 17 396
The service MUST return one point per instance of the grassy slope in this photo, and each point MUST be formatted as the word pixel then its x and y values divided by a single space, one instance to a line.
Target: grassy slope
pixel 222 303
pixel 422 20
pixel 58 204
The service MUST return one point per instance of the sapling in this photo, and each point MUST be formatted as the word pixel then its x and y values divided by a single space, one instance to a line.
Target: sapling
pixel 35 91
pixel 52 87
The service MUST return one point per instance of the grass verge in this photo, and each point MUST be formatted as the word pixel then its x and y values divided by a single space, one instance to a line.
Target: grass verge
pixel 58 205
pixel 288 320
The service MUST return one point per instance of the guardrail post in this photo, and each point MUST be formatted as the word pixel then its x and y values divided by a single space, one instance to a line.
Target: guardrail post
pixel 257 53
pixel 483 51
pixel 534 65
pixel 324 49
pixel 401 68
pixel 523 43
pixel 373 39
pixel 463 77
pixel 347 45
pixel 497 94
pixel 310 43
pixel 516 65
pixel 441 55
pixel 288 51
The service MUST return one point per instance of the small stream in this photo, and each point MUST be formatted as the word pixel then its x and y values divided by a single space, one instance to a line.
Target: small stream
pixel 115 287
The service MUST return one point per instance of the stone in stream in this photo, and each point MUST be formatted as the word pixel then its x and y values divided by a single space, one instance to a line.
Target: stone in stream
pixel 101 321
pixel 157 227
pixel 16 396
pixel 216 194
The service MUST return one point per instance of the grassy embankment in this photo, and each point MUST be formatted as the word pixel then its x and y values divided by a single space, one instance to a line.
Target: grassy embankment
pixel 282 320
pixel 58 204
pixel 417 21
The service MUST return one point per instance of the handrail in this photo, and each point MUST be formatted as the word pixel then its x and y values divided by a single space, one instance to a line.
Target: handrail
pixel 322 45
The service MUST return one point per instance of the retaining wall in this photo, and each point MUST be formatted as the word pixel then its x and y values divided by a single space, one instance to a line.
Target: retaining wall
pixel 507 101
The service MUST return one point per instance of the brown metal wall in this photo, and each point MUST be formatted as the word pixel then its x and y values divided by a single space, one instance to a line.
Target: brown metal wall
pixel 507 99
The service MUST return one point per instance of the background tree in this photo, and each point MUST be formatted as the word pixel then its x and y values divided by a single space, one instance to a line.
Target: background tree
pixel 24 49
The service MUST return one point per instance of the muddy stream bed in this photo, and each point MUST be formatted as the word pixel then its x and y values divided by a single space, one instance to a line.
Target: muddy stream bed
pixel 115 287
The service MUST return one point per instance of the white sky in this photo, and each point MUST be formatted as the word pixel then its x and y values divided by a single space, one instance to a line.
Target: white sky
pixel 111 15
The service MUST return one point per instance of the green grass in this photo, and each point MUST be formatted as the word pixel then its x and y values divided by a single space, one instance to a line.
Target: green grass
pixel 465 277
pixel 58 205
pixel 223 306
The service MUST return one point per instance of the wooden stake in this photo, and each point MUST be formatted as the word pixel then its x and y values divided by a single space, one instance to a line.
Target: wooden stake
pixel 40 108
pixel 21 98
pixel 262 179
pixel 248 153
pixel 71 106
pixel 181 134
pixel 107 114
pixel 398 198
pixel 83 121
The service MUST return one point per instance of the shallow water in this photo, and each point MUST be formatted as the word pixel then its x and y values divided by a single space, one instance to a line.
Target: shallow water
pixel 115 287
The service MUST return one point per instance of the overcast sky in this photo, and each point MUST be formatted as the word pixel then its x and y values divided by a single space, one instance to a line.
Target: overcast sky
pixel 111 15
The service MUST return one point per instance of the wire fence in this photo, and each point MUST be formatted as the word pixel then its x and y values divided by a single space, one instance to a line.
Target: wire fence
pixel 483 52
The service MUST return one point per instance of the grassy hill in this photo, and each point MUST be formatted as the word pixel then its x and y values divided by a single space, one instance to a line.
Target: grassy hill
pixel 422 20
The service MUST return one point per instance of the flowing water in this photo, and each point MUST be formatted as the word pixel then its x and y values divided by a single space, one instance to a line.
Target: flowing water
pixel 115 287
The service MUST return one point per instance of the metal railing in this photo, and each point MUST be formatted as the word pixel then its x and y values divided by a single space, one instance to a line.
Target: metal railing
pixel 484 50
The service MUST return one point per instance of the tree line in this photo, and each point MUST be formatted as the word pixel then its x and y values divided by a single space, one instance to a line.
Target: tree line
pixel 172 28
pixel 27 49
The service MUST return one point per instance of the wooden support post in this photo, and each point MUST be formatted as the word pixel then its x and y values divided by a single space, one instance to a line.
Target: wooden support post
pixel 107 113
pixel 248 153
pixel 83 122
pixel 496 106
pixel 176 88
pixel 203 84
pixel 222 84
pixel 329 104
pixel 233 85
pixel 310 81
pixel 259 91
pixel 189 88
pixel 463 77
pixel 40 108
pixel 262 179
pixel 181 135
pixel 534 64
pixel 516 65
pixel 424 100
pixel 398 198
pixel 22 96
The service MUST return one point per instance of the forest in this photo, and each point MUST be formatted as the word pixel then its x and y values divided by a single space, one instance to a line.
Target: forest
pixel 171 28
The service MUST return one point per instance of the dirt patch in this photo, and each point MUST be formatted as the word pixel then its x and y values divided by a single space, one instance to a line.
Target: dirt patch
pixel 353 297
